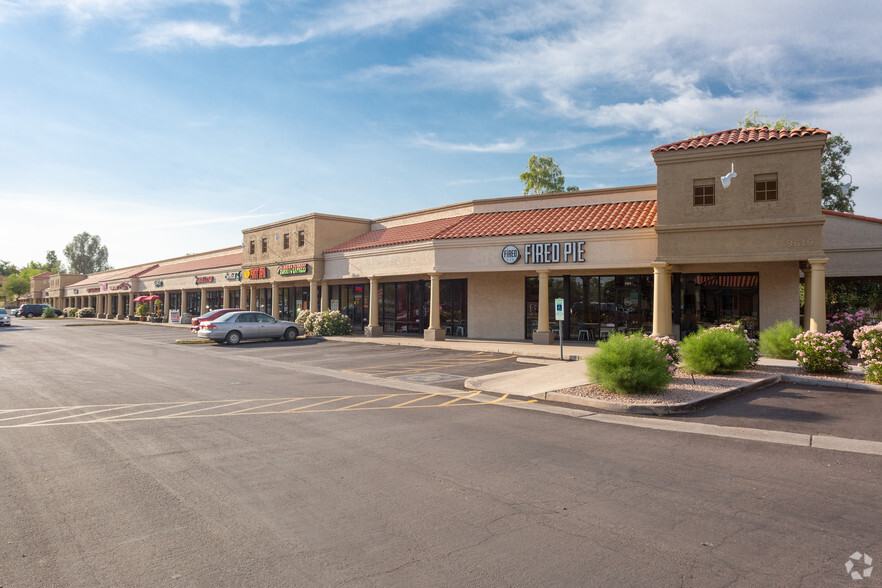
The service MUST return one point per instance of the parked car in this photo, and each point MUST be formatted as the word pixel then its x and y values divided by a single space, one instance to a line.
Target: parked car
pixel 5 320
pixel 210 316
pixel 233 327
pixel 32 310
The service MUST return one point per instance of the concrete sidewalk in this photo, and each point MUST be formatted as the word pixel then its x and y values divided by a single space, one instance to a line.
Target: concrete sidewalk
pixel 572 350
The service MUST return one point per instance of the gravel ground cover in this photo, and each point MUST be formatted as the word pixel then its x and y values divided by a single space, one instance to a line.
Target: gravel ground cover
pixel 690 388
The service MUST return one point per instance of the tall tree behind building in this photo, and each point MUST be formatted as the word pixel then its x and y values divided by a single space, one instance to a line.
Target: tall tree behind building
pixel 86 255
pixel 543 176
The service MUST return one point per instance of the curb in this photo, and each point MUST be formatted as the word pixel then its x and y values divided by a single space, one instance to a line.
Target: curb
pixel 569 400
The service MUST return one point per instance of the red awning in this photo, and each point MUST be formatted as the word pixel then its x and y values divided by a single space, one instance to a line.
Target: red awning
pixel 150 298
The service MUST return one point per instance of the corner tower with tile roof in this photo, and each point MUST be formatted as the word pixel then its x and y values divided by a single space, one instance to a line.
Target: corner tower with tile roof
pixel 766 218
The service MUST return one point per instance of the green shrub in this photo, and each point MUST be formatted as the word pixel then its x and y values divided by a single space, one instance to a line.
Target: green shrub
pixel 69 311
pixel 325 323
pixel 776 341
pixel 717 351
pixel 629 365
pixel 87 312
pixel 48 312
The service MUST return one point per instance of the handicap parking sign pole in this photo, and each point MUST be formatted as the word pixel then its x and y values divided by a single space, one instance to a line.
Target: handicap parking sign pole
pixel 559 315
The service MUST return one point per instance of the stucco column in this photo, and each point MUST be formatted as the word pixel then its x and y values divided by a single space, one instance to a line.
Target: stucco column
pixel 165 304
pixel 662 321
pixel 818 320
pixel 313 296
pixel 807 293
pixel 542 335
pixel 226 302
pixel 434 332
pixel 120 311
pixel 252 299
pixel 325 294
pixel 242 296
pixel 275 306
pixel 374 329
pixel 203 301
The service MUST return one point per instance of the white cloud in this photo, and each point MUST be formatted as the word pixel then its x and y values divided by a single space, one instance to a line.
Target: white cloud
pixel 498 147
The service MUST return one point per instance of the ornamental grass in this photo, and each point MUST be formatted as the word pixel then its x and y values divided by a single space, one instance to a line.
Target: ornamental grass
pixel 630 365
pixel 777 340
pixel 718 350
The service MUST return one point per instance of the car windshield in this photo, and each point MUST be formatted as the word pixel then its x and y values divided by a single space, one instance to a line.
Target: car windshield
pixel 3 311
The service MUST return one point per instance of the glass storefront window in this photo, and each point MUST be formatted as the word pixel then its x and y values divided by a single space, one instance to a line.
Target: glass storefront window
pixel 194 303
pixel 214 299
pixel 350 300
pixel 594 306
pixel 712 299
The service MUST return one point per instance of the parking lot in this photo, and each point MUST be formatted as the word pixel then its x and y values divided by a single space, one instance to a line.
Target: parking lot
pixel 129 459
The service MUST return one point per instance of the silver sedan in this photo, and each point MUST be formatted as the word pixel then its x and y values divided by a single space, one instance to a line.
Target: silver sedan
pixel 233 327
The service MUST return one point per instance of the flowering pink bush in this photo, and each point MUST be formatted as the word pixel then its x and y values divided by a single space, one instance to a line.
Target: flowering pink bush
pixel 821 352
pixel 847 322
pixel 670 348
pixel 752 344
pixel 868 341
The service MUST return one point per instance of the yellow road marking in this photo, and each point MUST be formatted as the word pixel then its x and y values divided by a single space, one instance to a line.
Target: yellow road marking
pixel 458 399
pixel 362 403
pixel 420 397
pixel 334 399
pixel 78 415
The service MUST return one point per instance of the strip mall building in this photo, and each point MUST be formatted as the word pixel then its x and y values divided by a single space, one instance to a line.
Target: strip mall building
pixel 663 258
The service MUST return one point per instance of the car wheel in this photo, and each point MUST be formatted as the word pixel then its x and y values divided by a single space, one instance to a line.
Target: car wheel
pixel 29 315
pixel 291 334
pixel 233 337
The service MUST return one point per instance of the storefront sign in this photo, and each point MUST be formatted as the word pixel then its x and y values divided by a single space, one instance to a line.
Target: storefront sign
pixel 204 279
pixel 293 269
pixel 174 316
pixel 76 291
pixel 123 286
pixel 157 283
pixel 255 273
pixel 93 290
pixel 233 276
pixel 510 254
pixel 535 253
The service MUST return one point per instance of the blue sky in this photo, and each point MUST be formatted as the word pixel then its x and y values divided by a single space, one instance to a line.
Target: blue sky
pixel 166 127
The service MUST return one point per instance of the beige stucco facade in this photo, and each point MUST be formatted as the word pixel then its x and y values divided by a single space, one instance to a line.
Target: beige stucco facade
pixel 759 252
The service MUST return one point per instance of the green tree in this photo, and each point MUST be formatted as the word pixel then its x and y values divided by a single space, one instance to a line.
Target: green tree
pixel 7 268
pixel 832 161
pixel 53 264
pixel 543 176
pixel 832 172
pixel 755 119
pixel 86 255
pixel 16 285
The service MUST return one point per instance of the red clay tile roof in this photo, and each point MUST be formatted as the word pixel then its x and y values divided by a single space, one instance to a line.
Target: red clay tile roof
pixel 852 216
pixel 424 231
pixel 735 136
pixel 110 275
pixel 187 265
pixel 594 217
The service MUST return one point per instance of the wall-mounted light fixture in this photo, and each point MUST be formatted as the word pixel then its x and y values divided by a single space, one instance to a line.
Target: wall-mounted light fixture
pixel 845 187
pixel 727 179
